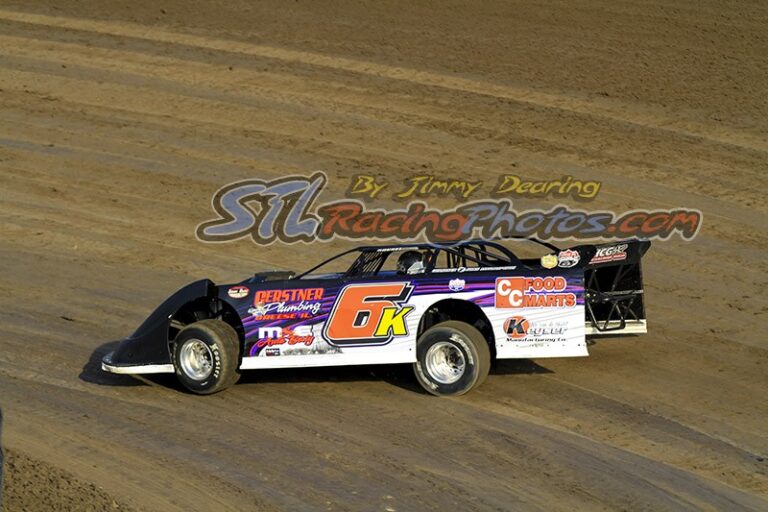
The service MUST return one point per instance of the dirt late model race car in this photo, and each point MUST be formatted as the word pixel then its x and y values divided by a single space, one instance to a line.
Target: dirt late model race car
pixel 447 309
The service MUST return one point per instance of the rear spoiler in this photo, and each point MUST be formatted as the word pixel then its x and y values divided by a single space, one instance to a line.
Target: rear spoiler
pixel 613 282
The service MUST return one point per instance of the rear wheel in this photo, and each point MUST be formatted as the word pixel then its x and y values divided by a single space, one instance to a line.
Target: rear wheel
pixel 206 356
pixel 452 358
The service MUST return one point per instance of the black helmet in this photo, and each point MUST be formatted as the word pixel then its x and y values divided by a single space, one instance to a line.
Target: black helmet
pixel 410 262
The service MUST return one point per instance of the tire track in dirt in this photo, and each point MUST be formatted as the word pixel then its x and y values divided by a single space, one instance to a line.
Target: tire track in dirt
pixel 188 78
pixel 585 107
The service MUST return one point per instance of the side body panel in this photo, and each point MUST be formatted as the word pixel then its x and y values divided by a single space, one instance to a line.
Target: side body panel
pixel 332 322
pixel 539 315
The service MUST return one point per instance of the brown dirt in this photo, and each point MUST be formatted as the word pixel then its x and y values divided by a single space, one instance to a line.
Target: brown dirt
pixel 35 485
pixel 118 121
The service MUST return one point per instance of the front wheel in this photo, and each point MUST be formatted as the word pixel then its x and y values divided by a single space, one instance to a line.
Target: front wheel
pixel 451 359
pixel 206 356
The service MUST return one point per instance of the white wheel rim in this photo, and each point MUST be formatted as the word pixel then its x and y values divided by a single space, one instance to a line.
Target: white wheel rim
pixel 445 363
pixel 196 359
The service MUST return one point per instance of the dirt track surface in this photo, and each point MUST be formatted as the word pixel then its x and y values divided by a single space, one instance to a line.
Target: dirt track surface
pixel 36 485
pixel 118 121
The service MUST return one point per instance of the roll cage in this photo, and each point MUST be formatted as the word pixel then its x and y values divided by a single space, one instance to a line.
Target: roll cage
pixel 477 253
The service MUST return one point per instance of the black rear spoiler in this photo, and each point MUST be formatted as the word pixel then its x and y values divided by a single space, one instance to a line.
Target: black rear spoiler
pixel 613 281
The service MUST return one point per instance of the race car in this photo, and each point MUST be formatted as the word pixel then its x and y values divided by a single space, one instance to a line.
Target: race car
pixel 447 309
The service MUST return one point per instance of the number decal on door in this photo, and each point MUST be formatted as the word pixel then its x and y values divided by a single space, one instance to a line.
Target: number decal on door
pixel 369 314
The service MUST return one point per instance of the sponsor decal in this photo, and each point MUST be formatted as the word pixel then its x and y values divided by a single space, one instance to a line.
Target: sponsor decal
pixel 568 258
pixel 516 327
pixel 456 285
pixel 291 295
pixel 611 253
pixel 549 261
pixel 285 311
pixel 275 336
pixel 238 292
pixel 297 340
pixel 533 292
pixel 300 303
pixel 369 314
pixel 535 333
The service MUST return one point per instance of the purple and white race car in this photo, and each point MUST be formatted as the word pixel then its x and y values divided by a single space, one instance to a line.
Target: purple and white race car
pixel 449 310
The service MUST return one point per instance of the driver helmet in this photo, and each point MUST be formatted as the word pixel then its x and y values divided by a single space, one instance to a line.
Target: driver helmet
pixel 410 262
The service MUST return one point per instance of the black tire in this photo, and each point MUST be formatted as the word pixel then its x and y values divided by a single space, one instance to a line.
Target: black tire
pixel 464 344
pixel 218 345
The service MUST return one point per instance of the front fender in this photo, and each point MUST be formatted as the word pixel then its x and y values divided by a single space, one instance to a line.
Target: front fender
pixel 149 344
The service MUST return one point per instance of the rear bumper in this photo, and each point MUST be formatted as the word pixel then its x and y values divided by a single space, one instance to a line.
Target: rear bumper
pixel 109 366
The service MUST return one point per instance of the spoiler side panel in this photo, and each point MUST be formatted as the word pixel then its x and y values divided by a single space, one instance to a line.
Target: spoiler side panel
pixel 615 296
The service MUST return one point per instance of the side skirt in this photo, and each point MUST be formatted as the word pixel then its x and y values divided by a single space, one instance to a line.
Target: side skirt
pixel 251 363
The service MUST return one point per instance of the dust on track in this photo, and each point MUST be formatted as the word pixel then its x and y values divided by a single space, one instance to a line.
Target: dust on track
pixel 117 124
